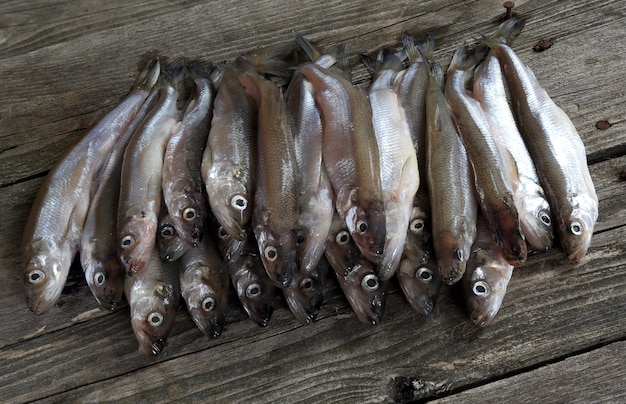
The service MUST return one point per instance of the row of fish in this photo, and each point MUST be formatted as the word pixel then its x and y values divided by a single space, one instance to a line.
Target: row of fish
pixel 275 173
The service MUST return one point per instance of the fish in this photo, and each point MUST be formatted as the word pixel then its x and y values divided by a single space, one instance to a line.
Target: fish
pixel 530 199
pixel 353 169
pixel 275 213
pixel 153 295
pixel 450 184
pixel 315 193
pixel 399 173
pixel 555 147
pixel 204 286
pixel 357 276
pixel 252 284
pixel 493 176
pixel 169 243
pixel 229 162
pixel 417 272
pixel 305 294
pixel 140 189
pixel 486 277
pixel 103 270
pixel 53 230
pixel 183 188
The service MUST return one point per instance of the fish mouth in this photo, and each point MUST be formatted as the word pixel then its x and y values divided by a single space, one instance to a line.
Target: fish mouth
pixel 39 304
pixel 157 347
pixel 304 312
pixel 260 316
pixel 424 305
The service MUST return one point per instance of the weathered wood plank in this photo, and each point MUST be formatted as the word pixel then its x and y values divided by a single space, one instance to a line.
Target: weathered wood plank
pixel 595 376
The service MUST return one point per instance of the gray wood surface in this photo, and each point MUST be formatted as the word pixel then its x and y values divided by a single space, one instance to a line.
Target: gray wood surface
pixel 64 64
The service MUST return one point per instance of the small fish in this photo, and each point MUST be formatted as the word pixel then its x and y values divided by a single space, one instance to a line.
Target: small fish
pixel 357 275
pixel 153 295
pixel 140 189
pixel 183 188
pixel 169 243
pixel 275 216
pixel 530 199
pixel 354 168
pixel 486 276
pixel 305 294
pixel 204 286
pixel 450 185
pixel 400 177
pixel 230 158
pixel 98 246
pixel 417 273
pixel 555 146
pixel 493 177
pixel 54 226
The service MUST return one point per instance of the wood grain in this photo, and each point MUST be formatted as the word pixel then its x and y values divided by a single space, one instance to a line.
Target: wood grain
pixel 64 64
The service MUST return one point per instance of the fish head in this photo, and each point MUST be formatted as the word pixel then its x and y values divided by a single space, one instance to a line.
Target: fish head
pixel 277 247
pixel 452 257
pixel 207 300
pixel 341 251
pixel 575 232
pixel 305 294
pixel 418 236
pixel 536 222
pixel 367 226
pixel 136 239
pixel 231 200
pixel 46 265
pixel 484 285
pixel 152 319
pixel 229 246
pixel 188 213
pixel 365 292
pixel 170 245
pixel 254 289
pixel 106 281
pixel 420 282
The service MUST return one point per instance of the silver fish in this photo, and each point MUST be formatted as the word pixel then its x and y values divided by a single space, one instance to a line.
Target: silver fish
pixel 140 190
pixel 53 229
pixel 204 286
pixel 169 243
pixel 398 160
pixel 153 295
pixel 486 276
pixel 493 181
pixel 555 146
pixel 305 294
pixel 357 275
pixel 183 188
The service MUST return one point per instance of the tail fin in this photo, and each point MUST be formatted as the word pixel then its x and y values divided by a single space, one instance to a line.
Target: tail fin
pixel 506 32
pixel 386 60
pixel 466 59
pixel 311 51
pixel 148 77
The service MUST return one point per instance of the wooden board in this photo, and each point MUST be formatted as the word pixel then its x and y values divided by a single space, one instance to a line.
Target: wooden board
pixel 64 64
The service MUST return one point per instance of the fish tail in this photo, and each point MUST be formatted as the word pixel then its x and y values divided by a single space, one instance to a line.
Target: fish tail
pixel 148 77
pixel 428 46
pixel 173 74
pixel 410 47
pixel 343 61
pixel 506 32
pixel 311 51
pixel 466 59
pixel 385 61
pixel 271 61
pixel 216 73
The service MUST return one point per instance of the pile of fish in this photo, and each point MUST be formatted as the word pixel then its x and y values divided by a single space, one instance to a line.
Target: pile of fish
pixel 275 170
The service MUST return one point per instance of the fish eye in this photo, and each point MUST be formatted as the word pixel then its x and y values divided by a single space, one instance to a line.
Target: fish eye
pixel 189 214
pixel 253 290
pixel 306 284
pixel 99 278
pixel 36 276
pixel 222 233
pixel 271 253
pixel 458 253
pixel 155 319
pixel 576 228
pixel 300 238
pixel 342 237
pixel 545 218
pixel 209 304
pixel 361 227
pixel 481 288
pixel 127 242
pixel 416 225
pixel 239 202
pixel 167 231
pixel 370 282
pixel 425 275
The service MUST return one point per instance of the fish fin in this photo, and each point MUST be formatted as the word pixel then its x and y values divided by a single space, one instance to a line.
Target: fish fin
pixel 428 46
pixel 467 59
pixel 311 51
pixel 271 60
pixel 148 77
pixel 216 73
pixel 343 62
pixel 369 62
pixel 506 32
